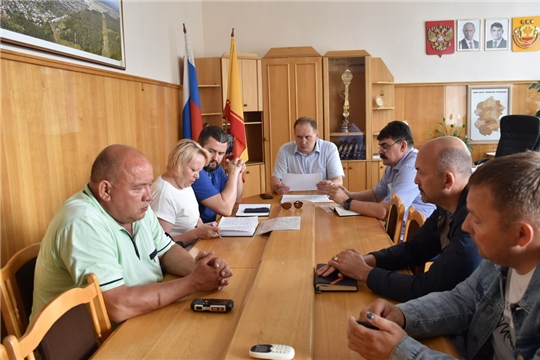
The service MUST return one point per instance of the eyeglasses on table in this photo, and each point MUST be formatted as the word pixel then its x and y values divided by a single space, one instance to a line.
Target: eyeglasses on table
pixel 287 205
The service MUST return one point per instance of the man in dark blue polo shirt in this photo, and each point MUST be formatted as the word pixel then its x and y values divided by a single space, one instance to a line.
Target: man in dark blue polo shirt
pixel 218 189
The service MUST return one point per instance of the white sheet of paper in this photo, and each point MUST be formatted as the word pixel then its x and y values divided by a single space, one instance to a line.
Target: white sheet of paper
pixel 300 182
pixel 323 198
pixel 280 223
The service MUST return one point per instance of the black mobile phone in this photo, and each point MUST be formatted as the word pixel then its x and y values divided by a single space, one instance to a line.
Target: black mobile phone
pixel 367 324
pixel 266 196
pixel 212 305
pixel 256 210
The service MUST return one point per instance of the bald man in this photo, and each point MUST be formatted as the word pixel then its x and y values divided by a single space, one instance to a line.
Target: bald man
pixel 443 168
pixel 109 229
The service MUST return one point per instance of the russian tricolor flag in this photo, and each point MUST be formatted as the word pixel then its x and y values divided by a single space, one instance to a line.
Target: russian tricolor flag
pixel 191 114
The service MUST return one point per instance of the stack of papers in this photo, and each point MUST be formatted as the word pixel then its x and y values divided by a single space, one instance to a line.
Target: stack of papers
pixel 313 198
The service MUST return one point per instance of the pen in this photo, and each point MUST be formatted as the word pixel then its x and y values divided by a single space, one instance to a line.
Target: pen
pixel 219 234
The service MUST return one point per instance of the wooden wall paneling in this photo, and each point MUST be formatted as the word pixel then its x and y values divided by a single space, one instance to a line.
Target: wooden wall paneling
pixel 524 100
pixel 455 104
pixel 423 108
pixel 55 121
pixel 399 98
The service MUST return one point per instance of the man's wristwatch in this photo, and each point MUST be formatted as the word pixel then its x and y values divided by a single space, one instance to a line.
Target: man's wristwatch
pixel 347 203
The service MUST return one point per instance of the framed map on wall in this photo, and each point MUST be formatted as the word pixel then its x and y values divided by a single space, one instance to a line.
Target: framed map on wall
pixel 90 30
pixel 486 106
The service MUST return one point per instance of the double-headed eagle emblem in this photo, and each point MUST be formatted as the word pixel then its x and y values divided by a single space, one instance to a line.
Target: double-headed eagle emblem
pixel 440 37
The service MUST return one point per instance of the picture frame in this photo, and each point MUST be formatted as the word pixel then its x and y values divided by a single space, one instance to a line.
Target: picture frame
pixel 486 105
pixel 464 44
pixel 497 35
pixel 69 28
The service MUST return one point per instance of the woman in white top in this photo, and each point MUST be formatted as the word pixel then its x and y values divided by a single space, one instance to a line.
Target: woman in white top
pixel 174 201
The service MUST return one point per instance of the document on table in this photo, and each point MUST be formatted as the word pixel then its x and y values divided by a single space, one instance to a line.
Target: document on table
pixel 280 223
pixel 323 198
pixel 299 182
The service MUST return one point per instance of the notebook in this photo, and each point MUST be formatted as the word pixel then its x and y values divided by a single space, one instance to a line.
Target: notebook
pixel 333 283
pixel 342 212
pixel 234 226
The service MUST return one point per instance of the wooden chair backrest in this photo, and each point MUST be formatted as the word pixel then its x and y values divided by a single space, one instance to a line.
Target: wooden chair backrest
pixel 18 349
pixel 394 219
pixel 415 220
pixel 3 353
pixel 16 289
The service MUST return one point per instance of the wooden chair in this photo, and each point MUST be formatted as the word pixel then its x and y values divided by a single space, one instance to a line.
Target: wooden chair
pixel 394 219
pixel 3 353
pixel 415 220
pixel 16 289
pixel 52 313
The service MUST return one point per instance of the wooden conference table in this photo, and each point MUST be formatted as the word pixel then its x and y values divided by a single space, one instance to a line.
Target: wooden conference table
pixel 274 298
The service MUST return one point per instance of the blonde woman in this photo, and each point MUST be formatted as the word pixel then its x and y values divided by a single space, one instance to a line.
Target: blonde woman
pixel 174 201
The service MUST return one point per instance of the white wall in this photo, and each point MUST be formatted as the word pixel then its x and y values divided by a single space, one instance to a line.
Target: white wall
pixel 392 31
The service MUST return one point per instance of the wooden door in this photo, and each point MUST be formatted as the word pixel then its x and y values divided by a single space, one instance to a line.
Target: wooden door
pixel 292 87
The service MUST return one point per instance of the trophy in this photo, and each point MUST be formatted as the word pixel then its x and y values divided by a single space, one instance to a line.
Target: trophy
pixel 346 77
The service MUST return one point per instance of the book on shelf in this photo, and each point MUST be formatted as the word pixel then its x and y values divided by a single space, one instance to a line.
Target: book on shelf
pixel 342 212
pixel 238 226
pixel 333 283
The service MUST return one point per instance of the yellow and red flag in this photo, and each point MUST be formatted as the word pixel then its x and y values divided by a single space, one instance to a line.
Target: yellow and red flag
pixel 234 109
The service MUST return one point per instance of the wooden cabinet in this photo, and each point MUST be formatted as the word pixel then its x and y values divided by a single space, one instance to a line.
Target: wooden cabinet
pixel 254 180
pixel 362 175
pixel 292 87
pixel 382 89
pixel 356 178
pixel 375 171
pixel 212 74
pixel 209 78
pixel 370 79
pixel 249 67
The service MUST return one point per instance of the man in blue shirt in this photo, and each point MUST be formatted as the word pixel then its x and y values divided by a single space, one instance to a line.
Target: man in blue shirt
pixel 498 305
pixel 396 148
pixel 307 155
pixel 218 190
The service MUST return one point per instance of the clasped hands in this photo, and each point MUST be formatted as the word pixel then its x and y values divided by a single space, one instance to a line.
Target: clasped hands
pixel 235 165
pixel 210 273
pixel 338 194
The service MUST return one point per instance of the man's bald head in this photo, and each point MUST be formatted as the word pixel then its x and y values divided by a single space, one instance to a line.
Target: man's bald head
pixel 449 153
pixel 115 161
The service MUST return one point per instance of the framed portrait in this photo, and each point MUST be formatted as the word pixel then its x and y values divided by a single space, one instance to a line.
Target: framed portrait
pixel 89 30
pixel 486 106
pixel 496 34
pixel 469 35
